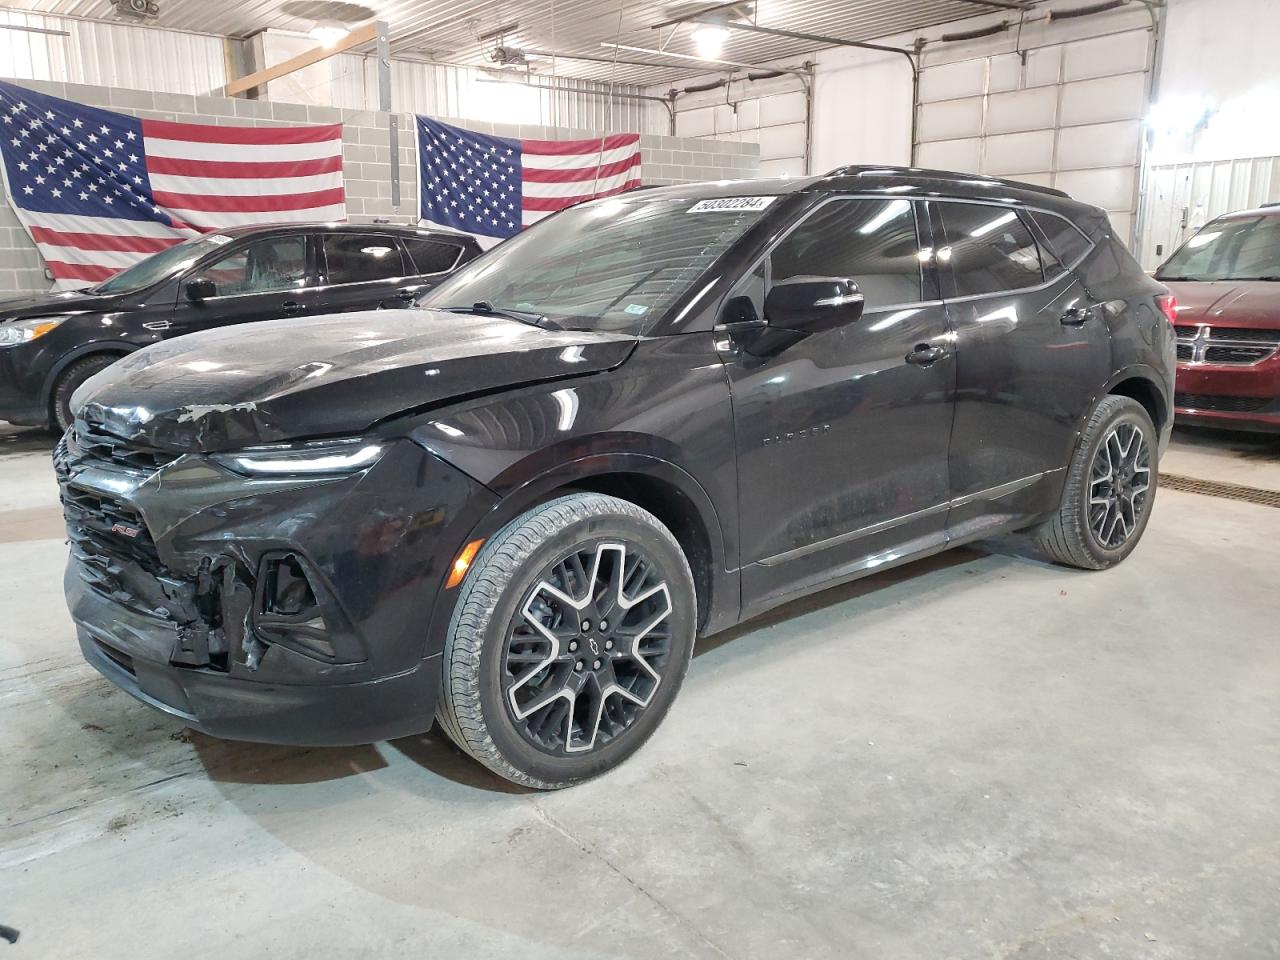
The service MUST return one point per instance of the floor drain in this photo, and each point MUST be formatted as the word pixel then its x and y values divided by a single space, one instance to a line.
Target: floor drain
pixel 1216 488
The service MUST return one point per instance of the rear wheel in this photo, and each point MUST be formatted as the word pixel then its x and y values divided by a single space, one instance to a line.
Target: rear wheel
pixel 570 639
pixel 69 381
pixel 1110 489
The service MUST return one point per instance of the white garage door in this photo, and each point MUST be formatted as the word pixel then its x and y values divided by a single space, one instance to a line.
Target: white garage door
pixel 1066 115
pixel 768 112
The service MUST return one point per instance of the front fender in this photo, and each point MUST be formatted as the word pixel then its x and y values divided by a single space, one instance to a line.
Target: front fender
pixel 121 347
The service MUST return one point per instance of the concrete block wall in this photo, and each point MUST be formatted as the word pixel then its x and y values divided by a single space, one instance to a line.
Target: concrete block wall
pixel 366 156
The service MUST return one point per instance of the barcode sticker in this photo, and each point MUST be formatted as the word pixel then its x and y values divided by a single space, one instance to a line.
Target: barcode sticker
pixel 731 204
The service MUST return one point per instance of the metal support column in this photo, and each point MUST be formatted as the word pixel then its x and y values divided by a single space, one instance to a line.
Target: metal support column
pixel 384 105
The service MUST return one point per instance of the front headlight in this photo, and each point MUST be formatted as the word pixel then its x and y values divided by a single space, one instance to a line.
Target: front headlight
pixel 309 459
pixel 24 331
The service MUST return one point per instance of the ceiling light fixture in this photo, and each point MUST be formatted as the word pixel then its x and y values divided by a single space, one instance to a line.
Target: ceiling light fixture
pixel 708 40
pixel 328 33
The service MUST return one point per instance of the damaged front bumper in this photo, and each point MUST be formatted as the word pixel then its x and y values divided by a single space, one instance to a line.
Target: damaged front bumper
pixel 282 609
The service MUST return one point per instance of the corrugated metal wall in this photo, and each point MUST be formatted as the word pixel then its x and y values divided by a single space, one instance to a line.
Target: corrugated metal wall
pixel 448 91
pixel 169 61
pixel 1182 197
pixel 111 54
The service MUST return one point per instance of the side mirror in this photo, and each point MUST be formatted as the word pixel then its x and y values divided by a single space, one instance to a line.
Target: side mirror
pixel 201 288
pixel 812 304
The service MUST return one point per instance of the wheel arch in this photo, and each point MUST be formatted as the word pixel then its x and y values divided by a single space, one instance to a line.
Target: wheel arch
pixel 662 488
pixel 116 348
pixel 1137 384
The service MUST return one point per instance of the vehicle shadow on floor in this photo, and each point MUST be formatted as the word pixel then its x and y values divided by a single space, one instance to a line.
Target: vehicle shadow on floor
pixel 15 440
pixel 1246 445
pixel 226 762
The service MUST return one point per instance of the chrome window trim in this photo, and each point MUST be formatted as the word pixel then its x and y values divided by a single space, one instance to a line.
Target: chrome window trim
pixel 1068 272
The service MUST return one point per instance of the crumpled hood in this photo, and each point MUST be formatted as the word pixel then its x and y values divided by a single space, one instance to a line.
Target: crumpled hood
pixel 325 376
pixel 35 305
pixel 1229 303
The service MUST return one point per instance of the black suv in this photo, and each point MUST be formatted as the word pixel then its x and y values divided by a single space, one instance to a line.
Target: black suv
pixel 647 418
pixel 52 343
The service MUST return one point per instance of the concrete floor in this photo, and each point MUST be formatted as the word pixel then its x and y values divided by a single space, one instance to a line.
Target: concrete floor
pixel 974 756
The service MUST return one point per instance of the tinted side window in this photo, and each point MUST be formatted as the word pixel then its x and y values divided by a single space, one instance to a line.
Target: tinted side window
pixel 872 242
pixel 432 256
pixel 1065 238
pixel 989 248
pixel 266 266
pixel 354 257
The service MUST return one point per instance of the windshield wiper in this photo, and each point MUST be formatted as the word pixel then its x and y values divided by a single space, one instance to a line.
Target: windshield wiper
pixel 485 308
pixel 1270 278
pixel 1181 279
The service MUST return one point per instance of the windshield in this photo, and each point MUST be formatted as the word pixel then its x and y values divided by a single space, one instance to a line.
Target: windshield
pixel 608 265
pixel 160 265
pixel 1237 249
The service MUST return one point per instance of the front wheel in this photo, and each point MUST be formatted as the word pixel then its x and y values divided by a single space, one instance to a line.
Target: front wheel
pixel 1110 489
pixel 69 382
pixel 570 639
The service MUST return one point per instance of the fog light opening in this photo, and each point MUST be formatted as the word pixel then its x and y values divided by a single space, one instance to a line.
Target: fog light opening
pixel 288 592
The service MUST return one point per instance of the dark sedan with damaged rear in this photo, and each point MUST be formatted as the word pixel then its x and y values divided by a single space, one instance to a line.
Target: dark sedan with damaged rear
pixel 646 418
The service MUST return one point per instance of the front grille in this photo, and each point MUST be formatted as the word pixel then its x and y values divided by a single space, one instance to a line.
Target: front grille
pixel 95 443
pixel 1220 404
pixel 1237 354
pixel 111 539
pixel 1229 346
pixel 1246 334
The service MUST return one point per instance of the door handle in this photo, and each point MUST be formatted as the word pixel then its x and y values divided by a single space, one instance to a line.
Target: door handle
pixel 1074 316
pixel 925 354
pixel 291 306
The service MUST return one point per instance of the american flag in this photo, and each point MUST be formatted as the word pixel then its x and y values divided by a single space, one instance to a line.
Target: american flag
pixel 98 191
pixel 494 186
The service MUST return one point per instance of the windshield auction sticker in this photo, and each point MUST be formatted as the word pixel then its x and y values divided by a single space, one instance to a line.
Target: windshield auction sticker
pixel 731 204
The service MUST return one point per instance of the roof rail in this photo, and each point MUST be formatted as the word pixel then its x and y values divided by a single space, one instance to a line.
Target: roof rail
pixel 920 173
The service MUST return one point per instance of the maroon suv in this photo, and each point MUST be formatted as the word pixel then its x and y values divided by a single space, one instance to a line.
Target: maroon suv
pixel 1227 282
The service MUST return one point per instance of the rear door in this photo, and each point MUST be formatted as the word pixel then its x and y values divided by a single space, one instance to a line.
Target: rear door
pixel 264 278
pixel 364 271
pixel 434 258
pixel 1032 350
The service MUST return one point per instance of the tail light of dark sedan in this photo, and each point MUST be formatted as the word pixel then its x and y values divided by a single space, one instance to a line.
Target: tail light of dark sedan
pixel 1168 305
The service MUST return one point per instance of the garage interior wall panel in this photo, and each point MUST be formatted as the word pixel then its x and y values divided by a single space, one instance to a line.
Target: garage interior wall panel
pixel 111 55
pixel 1066 113
pixel 770 113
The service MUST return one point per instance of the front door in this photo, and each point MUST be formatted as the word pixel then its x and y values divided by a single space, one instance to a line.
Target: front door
pixel 262 279
pixel 842 437
pixel 1032 351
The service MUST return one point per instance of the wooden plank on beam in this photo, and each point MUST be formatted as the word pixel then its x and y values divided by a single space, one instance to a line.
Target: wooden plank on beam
pixel 360 35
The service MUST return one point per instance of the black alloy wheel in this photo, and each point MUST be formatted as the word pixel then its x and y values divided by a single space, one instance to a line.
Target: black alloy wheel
pixel 570 638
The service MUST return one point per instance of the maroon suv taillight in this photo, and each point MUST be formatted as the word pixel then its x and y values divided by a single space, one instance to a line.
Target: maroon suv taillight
pixel 1168 305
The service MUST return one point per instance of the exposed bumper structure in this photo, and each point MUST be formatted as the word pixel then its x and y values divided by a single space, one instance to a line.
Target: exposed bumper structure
pixel 284 610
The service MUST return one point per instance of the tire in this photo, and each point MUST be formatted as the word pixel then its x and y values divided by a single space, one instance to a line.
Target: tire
pixel 1075 535
pixel 69 381
pixel 509 619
